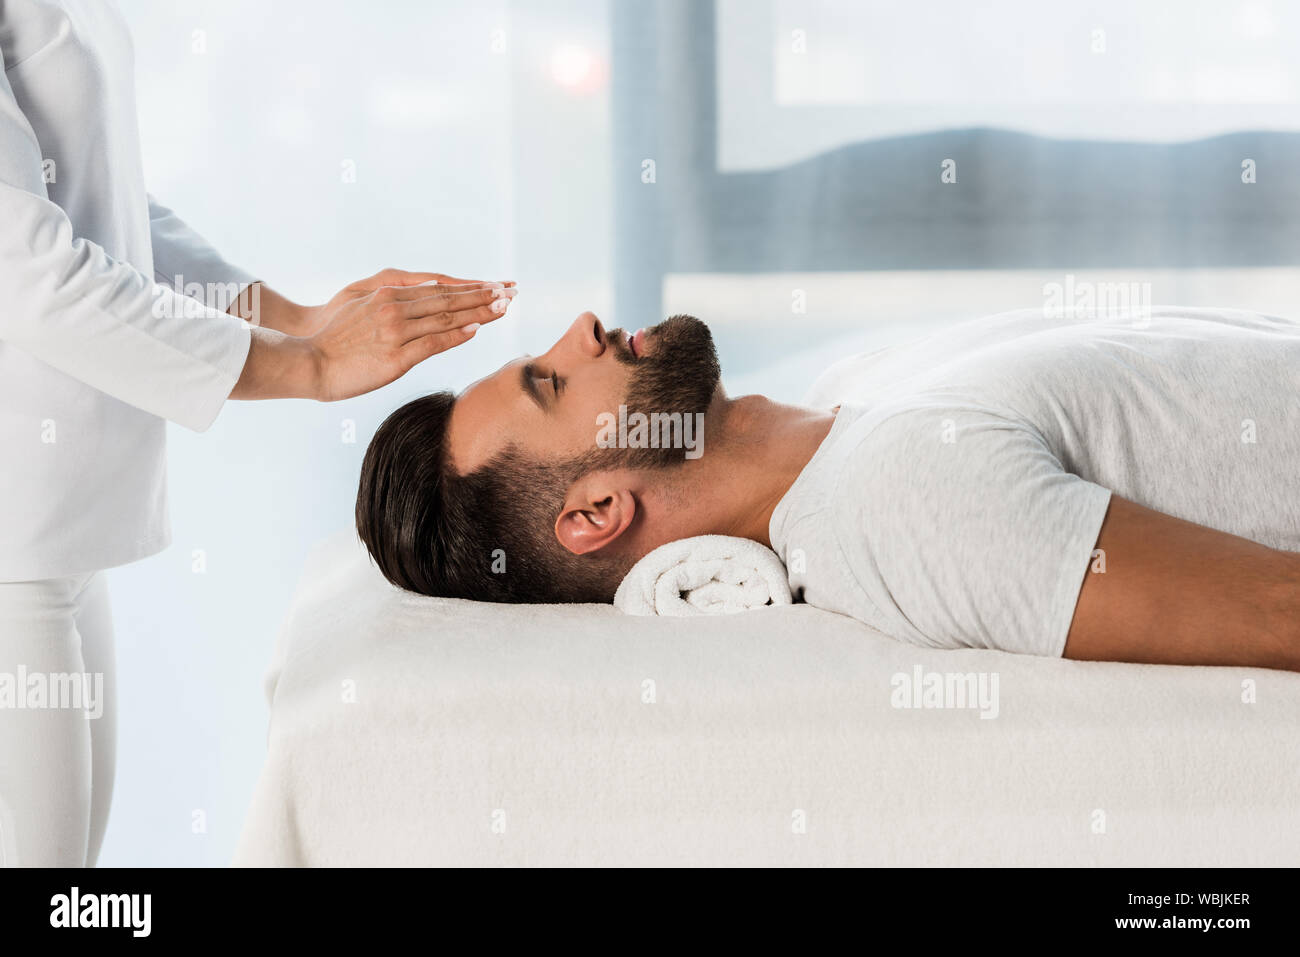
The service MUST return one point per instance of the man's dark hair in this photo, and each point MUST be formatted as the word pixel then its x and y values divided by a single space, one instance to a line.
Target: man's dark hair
pixel 487 535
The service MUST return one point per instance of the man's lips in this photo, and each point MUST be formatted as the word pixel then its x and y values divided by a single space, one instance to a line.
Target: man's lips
pixel 636 342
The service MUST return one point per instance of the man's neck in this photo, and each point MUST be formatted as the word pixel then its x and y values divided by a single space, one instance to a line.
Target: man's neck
pixel 753 452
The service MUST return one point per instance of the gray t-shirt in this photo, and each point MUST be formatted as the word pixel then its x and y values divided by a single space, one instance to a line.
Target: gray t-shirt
pixel 957 499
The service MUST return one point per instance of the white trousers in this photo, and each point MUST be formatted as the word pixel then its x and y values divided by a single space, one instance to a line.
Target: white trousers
pixel 57 723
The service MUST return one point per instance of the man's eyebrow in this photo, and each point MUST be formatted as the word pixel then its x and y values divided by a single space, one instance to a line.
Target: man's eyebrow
pixel 528 382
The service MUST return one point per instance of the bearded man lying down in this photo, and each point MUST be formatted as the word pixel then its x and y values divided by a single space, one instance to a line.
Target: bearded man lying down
pixel 1119 489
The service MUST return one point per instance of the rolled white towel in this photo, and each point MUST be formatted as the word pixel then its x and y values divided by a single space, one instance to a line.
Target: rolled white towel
pixel 705 575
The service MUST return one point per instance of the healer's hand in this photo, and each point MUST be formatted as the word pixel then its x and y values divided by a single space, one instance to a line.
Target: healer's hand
pixel 376 330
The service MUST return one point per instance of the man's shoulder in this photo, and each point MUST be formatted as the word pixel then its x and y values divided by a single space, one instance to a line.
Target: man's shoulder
pixel 897 454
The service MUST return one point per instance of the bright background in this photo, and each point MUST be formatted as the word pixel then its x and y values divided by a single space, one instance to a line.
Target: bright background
pixel 481 138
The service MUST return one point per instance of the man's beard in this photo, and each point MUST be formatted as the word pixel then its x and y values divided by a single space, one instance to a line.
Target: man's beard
pixel 679 376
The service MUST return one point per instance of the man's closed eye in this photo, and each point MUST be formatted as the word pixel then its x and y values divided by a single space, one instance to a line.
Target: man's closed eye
pixel 530 377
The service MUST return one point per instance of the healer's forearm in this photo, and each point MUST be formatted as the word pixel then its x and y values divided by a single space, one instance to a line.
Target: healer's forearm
pixel 263 306
pixel 278 367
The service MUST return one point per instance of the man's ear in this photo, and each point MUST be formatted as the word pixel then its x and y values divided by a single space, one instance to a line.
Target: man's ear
pixel 596 512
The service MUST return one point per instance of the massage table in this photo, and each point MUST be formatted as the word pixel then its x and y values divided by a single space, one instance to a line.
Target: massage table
pixel 407 730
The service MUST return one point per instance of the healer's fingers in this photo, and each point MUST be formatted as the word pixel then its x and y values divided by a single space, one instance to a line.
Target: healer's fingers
pixel 446 321
pixel 451 303
pixel 417 350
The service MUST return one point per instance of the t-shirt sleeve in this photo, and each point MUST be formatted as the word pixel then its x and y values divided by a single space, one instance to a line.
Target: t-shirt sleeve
pixel 969 532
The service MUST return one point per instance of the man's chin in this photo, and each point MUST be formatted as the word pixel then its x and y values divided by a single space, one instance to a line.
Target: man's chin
pixel 686 339
pixel 681 326
pixel 674 367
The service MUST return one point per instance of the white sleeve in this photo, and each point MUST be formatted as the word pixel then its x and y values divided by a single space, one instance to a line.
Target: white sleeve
pixel 183 260
pixel 977 536
pixel 69 304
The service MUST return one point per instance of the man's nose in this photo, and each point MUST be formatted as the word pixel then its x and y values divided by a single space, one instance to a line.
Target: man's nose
pixel 587 335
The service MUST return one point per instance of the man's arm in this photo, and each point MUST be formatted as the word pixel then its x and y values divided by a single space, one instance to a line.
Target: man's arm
pixel 1174 592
